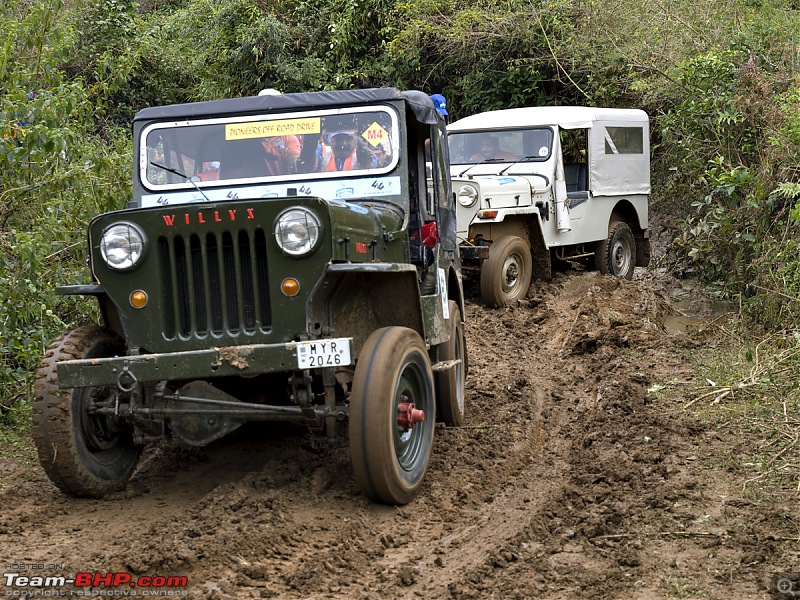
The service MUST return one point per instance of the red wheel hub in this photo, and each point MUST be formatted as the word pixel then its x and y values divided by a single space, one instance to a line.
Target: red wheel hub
pixel 408 415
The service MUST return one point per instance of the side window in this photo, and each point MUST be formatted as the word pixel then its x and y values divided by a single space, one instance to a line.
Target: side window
pixel 419 186
pixel 445 210
pixel 574 150
pixel 624 140
pixel 573 145
pixel 440 171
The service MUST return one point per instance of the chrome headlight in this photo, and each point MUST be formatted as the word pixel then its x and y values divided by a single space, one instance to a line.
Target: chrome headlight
pixel 297 231
pixel 467 196
pixel 122 246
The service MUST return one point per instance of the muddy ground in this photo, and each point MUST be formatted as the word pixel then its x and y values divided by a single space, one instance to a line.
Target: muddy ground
pixel 574 478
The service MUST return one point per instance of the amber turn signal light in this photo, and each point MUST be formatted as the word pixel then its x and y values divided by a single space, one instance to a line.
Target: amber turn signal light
pixel 138 299
pixel 290 286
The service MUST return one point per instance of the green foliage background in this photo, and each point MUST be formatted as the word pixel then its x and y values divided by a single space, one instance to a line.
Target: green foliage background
pixel 719 80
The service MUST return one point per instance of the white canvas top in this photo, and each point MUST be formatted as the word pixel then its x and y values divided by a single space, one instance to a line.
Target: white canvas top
pixel 566 117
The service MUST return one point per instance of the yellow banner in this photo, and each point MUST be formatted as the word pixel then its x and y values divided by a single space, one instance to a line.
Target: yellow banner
pixel 259 129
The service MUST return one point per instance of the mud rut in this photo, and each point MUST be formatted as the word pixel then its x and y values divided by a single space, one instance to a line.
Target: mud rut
pixel 570 480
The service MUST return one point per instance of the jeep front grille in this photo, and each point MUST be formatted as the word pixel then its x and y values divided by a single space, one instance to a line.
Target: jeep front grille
pixel 214 283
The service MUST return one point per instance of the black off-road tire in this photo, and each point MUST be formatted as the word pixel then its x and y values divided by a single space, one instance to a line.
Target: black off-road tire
pixel 393 368
pixel 450 393
pixel 84 455
pixel 616 255
pixel 506 274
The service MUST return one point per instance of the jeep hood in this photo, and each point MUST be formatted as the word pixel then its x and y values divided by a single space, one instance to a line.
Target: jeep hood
pixel 496 193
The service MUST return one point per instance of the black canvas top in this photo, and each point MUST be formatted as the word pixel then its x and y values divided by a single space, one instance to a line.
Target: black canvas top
pixel 419 103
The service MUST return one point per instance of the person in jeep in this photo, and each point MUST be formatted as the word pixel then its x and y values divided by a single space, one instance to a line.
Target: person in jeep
pixel 282 152
pixel 490 150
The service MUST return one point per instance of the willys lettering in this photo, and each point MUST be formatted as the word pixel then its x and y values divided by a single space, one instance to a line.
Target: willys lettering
pixel 203 217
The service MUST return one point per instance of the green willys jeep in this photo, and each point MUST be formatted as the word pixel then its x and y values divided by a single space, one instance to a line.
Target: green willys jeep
pixel 282 259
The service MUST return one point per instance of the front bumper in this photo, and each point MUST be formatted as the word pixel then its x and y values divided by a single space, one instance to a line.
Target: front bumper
pixel 474 252
pixel 126 371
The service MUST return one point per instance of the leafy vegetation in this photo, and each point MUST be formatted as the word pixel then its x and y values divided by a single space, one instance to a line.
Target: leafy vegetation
pixel 55 171
pixel 720 82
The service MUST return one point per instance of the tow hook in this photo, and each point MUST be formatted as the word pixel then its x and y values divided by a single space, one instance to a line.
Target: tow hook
pixel 408 415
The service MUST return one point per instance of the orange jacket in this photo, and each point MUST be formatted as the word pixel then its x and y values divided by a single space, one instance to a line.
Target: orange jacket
pixel 347 165
pixel 278 148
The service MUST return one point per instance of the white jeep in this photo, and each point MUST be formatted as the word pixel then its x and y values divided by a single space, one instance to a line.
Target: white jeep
pixel 550 184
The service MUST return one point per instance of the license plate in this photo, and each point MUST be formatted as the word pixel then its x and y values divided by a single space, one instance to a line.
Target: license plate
pixel 323 353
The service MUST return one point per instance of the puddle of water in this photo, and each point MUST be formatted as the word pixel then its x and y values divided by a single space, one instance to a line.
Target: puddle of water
pixel 691 316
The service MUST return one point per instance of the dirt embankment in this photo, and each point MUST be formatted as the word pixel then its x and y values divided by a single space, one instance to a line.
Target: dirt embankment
pixel 570 480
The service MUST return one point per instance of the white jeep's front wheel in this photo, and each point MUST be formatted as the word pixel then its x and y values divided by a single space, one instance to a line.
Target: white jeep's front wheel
pixel 506 274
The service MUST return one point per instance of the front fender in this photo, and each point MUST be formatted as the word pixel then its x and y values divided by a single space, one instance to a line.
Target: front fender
pixel 112 318
pixel 358 232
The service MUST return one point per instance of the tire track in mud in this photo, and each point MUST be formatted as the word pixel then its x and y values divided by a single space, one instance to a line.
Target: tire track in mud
pixel 524 462
pixel 480 485
pixel 513 522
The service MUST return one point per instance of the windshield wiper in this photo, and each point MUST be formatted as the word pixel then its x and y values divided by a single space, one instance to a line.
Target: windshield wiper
pixel 521 160
pixel 483 162
pixel 179 174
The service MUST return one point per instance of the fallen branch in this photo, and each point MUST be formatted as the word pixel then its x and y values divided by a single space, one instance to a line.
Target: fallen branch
pixel 721 393
pixel 784 450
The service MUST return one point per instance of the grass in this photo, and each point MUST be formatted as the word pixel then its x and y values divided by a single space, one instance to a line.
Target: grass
pixel 16 445
pixel 746 385
pixel 680 588
pixel 756 398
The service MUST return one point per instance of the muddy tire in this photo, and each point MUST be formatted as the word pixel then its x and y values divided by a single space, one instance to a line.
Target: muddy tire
pixel 85 455
pixel 390 445
pixel 616 255
pixel 450 382
pixel 506 274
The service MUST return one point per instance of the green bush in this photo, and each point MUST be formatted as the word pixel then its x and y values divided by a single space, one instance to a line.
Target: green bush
pixel 56 173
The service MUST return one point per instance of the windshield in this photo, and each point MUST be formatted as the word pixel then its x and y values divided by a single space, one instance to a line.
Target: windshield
pixel 500 145
pixel 314 145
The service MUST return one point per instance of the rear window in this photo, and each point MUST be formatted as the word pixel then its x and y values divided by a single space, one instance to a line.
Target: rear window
pixel 624 140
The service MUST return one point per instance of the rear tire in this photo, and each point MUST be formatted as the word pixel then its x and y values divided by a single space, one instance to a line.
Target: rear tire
pixel 616 255
pixel 393 374
pixel 450 393
pixel 85 455
pixel 506 274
